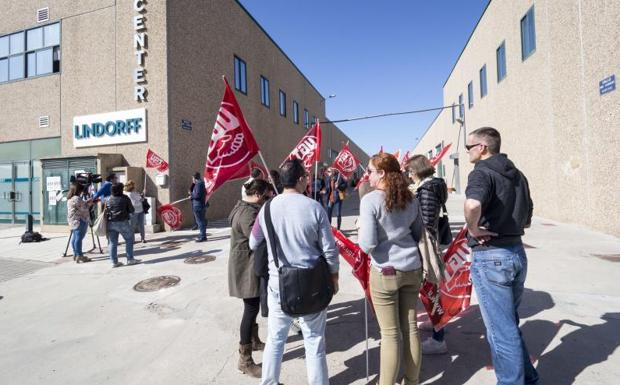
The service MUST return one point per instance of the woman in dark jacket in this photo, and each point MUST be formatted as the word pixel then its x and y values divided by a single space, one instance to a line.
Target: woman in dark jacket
pixel 432 193
pixel 118 209
pixel 242 281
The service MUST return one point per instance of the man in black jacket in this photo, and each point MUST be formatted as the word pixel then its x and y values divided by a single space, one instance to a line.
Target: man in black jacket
pixel 497 209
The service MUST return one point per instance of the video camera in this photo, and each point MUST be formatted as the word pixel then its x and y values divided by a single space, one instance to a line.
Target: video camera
pixel 86 178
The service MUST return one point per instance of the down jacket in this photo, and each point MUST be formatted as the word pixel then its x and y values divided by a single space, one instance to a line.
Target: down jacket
pixel 432 194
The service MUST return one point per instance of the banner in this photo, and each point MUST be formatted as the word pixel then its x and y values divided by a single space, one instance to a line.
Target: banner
pixel 155 161
pixel 232 143
pixel 308 150
pixel 346 162
pixel 359 261
pixel 437 158
pixel 453 294
pixel 171 215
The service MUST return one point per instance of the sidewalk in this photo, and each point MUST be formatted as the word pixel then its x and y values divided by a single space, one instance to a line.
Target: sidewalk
pixel 64 323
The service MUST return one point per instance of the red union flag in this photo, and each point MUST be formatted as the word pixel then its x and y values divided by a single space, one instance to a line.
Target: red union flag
pixel 308 150
pixel 232 143
pixel 359 261
pixel 155 161
pixel 346 162
pixel 437 158
pixel 403 162
pixel 171 215
pixel 453 294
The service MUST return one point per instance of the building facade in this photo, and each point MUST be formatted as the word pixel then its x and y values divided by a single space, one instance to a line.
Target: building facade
pixel 544 74
pixel 91 85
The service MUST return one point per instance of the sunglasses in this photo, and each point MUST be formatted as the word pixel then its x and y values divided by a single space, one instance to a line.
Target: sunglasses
pixel 470 146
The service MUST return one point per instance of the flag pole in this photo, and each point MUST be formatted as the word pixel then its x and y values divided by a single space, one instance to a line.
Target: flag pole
pixel 180 200
pixel 260 153
pixel 366 322
pixel 316 172
pixel 144 185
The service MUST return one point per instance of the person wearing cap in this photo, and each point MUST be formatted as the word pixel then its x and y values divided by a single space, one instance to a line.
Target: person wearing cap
pixel 199 206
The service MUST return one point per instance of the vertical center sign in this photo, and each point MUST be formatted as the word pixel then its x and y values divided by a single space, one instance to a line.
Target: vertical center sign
pixel 140 46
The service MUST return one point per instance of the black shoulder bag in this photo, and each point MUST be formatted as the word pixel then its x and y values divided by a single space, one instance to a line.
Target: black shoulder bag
pixel 302 290
pixel 444 233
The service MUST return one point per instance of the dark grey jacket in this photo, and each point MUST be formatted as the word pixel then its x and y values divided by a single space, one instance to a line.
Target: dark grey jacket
pixel 432 195
pixel 119 208
pixel 242 281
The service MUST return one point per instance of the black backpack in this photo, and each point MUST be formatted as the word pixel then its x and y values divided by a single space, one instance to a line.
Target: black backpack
pixel 31 236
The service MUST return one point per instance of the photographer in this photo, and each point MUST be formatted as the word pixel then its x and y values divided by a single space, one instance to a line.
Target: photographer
pixel 78 216
pixel 137 217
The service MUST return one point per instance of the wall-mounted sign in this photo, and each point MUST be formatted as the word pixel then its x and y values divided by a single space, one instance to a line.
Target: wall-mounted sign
pixel 186 124
pixel 140 50
pixel 607 85
pixel 110 128
pixel 53 183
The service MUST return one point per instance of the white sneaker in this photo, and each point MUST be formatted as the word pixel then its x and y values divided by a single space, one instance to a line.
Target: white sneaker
pixel 426 326
pixel 431 346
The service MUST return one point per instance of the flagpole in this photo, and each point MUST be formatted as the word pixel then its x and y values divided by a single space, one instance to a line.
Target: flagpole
pixel 144 186
pixel 366 319
pixel 268 173
pixel 180 200
pixel 316 172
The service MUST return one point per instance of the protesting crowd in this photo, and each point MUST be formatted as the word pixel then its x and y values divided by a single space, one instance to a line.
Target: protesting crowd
pixel 284 260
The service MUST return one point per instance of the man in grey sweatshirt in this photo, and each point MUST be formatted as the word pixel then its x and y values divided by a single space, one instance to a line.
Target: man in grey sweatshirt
pixel 304 235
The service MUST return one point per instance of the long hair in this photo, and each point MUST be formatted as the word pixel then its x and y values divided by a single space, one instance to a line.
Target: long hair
pixel 75 189
pixel 397 194
pixel 421 166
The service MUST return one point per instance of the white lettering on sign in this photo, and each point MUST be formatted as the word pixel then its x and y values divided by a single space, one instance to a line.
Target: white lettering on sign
pixel 140 44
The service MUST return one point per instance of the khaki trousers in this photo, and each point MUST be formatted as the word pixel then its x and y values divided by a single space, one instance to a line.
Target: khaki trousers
pixel 394 298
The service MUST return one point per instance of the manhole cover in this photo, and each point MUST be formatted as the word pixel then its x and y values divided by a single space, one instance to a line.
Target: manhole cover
pixel 157 283
pixel 608 257
pixel 170 244
pixel 200 259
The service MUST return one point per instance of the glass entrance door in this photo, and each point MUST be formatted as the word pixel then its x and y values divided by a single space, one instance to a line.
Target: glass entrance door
pixel 16 192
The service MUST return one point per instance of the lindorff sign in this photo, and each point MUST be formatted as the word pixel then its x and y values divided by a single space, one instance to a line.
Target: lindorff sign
pixel 110 128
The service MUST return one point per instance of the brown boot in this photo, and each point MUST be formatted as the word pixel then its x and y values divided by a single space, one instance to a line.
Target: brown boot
pixel 257 344
pixel 246 363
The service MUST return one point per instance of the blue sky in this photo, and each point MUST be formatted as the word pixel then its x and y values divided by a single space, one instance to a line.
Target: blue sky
pixel 376 56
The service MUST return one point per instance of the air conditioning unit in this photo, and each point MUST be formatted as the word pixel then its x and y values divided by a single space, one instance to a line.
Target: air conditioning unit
pixel 43 15
pixel 44 121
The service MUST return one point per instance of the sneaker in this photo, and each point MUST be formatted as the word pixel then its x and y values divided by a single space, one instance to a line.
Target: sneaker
pixel 201 240
pixel 431 346
pixel 194 227
pixel 426 326
pixel 133 262
pixel 117 264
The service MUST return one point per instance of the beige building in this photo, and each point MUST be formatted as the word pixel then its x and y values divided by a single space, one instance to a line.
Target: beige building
pixel 544 74
pixel 90 85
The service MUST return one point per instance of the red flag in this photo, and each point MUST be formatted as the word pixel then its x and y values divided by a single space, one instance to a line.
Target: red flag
pixel 381 150
pixel 346 162
pixel 171 215
pixel 232 143
pixel 437 158
pixel 359 261
pixel 246 171
pixel 155 161
pixel 397 155
pixel 454 292
pixel 309 148
pixel 403 162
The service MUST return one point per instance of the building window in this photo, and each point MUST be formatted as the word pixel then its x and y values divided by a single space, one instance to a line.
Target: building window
pixel 313 121
pixel 264 91
pixel 528 34
pixel 470 94
pixel 453 114
pixel 306 118
pixel 461 106
pixel 295 112
pixel 241 79
pixel 483 81
pixel 282 103
pixel 30 53
pixel 500 54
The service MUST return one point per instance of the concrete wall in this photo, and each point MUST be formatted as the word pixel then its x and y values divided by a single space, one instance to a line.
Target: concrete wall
pixel 555 126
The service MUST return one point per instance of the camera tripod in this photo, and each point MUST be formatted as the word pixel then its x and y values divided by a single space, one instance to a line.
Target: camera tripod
pixel 93 236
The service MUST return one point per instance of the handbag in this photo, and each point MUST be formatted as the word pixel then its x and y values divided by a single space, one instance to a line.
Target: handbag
pixel 145 206
pixel 432 261
pixel 302 290
pixel 444 233
pixel 100 227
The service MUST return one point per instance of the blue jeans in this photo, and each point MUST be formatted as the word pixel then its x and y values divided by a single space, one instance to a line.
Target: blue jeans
pixel 77 235
pixel 124 229
pixel 498 276
pixel 137 223
pixel 330 208
pixel 199 216
pixel 313 329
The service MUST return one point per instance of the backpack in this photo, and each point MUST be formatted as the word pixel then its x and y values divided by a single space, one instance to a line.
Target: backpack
pixel 31 236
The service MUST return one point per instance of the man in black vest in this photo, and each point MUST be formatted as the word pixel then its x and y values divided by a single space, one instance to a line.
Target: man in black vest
pixel 497 209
